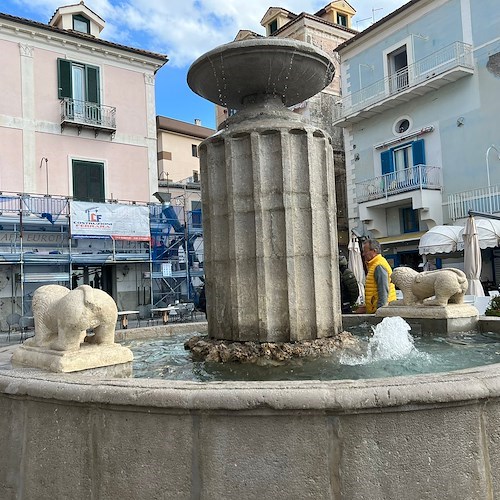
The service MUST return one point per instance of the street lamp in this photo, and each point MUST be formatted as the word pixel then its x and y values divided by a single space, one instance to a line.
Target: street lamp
pixel 488 162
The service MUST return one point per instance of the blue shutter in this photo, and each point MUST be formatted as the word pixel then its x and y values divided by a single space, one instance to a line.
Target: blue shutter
pixel 386 159
pixel 418 151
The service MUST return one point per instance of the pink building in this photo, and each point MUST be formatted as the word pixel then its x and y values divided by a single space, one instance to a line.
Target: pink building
pixel 77 124
pixel 68 124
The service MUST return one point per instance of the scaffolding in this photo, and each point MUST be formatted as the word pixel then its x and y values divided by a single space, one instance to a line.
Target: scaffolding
pixel 36 248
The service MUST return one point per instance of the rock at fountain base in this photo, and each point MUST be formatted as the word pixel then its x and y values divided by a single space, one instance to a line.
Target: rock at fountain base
pixel 222 351
pixel 113 359
pixel 453 318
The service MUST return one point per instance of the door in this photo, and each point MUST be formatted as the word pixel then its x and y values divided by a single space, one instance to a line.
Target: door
pixel 78 90
pixel 398 65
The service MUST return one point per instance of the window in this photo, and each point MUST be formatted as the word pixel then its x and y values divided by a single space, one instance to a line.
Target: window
pixel 402 126
pixel 398 69
pixel 196 214
pixel 409 220
pixel 81 24
pixel 78 81
pixel 273 26
pixel 403 156
pixel 88 181
pixel 400 166
pixel 194 150
pixel 342 19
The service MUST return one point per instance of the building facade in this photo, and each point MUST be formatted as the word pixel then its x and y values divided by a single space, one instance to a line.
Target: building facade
pixel 73 133
pixel 420 120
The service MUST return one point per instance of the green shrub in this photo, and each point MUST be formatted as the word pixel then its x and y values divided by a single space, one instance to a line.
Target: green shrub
pixel 493 308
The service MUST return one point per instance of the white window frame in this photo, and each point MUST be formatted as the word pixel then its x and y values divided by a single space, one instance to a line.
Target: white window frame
pixel 393 48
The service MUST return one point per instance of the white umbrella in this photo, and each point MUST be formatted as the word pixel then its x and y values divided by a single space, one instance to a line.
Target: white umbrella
pixel 356 266
pixel 472 258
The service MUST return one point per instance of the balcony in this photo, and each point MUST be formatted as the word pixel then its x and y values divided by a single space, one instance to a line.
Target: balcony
pixel 410 179
pixel 486 199
pixel 88 115
pixel 440 68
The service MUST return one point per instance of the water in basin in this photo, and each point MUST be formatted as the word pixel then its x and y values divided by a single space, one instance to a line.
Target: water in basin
pixel 388 351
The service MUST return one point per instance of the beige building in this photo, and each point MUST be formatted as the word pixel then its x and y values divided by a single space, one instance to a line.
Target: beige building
pixel 326 29
pixel 178 149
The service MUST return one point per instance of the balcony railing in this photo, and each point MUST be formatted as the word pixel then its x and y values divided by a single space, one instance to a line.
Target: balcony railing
pixel 486 199
pixel 400 181
pixel 453 56
pixel 88 115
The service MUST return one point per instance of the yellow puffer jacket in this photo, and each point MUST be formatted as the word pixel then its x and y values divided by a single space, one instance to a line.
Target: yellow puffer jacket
pixel 371 292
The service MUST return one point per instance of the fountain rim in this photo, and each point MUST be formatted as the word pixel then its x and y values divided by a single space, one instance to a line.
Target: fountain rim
pixel 337 395
pixel 245 48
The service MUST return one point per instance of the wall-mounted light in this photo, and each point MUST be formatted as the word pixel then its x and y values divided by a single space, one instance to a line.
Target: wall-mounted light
pixel 46 160
pixel 460 121
pixel 125 270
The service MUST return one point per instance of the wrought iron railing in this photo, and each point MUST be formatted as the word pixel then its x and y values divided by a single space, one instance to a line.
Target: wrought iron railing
pixel 400 181
pixel 88 114
pixel 486 199
pixel 457 54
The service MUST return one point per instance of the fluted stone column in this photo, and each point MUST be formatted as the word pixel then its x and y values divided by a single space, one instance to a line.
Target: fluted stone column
pixel 269 218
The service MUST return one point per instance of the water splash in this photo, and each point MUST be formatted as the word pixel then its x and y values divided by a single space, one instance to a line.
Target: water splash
pixel 391 340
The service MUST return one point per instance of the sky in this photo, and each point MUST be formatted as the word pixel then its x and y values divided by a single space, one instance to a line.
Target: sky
pixel 184 30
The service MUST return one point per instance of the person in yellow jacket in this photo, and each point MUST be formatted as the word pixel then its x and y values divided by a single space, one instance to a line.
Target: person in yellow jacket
pixel 379 290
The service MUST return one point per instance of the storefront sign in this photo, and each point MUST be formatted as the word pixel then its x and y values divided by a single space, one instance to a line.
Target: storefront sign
pixel 101 220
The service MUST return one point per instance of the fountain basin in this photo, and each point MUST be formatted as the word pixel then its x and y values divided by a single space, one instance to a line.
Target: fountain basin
pixel 290 69
pixel 403 437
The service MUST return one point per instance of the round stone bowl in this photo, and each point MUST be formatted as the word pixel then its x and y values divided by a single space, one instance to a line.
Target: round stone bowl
pixel 232 73
pixel 420 437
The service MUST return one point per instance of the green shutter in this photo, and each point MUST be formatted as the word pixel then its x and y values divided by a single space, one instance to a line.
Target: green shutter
pixel 64 78
pixel 92 77
pixel 88 181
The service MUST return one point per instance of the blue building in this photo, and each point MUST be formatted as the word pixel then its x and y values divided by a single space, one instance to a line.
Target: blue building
pixel 420 117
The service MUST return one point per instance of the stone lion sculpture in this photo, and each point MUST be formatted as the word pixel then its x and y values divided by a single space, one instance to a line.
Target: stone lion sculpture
pixel 63 316
pixel 447 285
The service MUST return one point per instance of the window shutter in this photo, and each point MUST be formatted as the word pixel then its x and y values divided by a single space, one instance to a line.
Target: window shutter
pixel 92 74
pixel 418 151
pixel 88 181
pixel 64 78
pixel 386 159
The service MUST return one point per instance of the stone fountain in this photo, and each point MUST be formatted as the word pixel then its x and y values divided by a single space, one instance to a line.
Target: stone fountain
pixel 269 210
pixel 271 245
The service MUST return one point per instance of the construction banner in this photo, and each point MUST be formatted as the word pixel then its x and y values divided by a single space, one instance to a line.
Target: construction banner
pixel 105 220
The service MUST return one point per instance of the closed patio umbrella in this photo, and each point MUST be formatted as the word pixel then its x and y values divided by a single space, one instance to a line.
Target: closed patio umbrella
pixel 356 266
pixel 472 258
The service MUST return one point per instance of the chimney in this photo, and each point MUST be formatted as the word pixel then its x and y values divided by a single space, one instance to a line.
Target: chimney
pixel 197 121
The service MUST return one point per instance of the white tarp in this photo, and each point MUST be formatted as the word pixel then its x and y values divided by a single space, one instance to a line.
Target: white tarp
pixel 441 239
pixel 102 220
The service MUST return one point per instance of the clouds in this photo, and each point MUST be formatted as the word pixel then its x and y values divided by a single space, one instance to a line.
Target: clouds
pixel 185 29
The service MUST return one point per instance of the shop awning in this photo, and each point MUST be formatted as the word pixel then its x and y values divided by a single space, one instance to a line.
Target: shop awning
pixel 441 239
pixel 488 232
pixel 401 238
